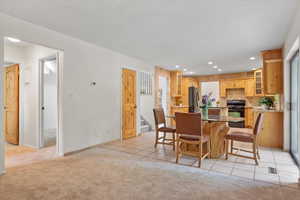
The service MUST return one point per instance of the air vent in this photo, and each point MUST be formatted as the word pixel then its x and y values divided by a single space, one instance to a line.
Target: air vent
pixel 272 170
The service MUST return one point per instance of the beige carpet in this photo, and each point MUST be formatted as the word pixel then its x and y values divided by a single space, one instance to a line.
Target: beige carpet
pixel 101 173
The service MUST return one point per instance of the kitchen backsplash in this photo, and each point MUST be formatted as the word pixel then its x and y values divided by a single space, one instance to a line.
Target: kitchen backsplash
pixel 239 94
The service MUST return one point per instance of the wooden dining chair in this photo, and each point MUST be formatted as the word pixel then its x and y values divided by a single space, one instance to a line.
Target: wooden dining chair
pixel 243 136
pixel 161 127
pixel 189 132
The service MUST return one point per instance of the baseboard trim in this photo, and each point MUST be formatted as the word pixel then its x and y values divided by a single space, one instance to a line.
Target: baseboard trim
pixel 28 145
pixel 2 173
pixel 86 148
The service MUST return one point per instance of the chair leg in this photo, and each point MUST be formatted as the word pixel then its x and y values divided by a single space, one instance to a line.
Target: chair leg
pixel 177 148
pixel 231 146
pixel 209 149
pixel 200 156
pixel 226 149
pixel 258 156
pixel 173 140
pixel 164 137
pixel 156 139
pixel 254 153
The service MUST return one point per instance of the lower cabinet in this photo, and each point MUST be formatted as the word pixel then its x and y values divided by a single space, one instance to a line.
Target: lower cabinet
pixel 249 117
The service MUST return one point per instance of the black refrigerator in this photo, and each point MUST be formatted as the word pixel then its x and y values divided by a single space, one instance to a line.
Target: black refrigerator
pixel 194 99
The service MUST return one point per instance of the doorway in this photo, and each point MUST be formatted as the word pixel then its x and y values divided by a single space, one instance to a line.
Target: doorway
pixel 295 107
pixel 128 103
pixel 163 93
pixel 31 133
pixel 48 101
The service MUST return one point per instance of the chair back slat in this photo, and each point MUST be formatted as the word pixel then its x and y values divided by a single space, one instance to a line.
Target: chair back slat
pixel 159 116
pixel 188 123
pixel 258 124
pixel 214 111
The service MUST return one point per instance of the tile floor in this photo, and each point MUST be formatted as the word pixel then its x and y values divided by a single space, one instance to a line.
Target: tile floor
pixel 287 171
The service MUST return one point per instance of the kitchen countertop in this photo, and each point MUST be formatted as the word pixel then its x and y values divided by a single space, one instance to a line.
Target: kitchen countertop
pixel 255 108
pixel 182 106
pixel 263 110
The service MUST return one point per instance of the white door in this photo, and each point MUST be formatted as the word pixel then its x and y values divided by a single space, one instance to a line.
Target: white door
pixel 49 89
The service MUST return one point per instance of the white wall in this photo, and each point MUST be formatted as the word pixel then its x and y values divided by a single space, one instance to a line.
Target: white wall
pixel 291 43
pixel 147 105
pixel 90 114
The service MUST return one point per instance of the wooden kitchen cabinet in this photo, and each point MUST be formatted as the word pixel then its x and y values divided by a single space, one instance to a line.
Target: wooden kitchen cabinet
pixel 176 83
pixel 250 87
pixel 231 84
pixel 222 88
pixel 259 86
pixel 249 117
pixel 272 71
pixel 239 83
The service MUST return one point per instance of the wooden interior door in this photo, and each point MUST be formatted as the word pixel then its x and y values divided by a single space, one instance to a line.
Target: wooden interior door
pixel 11 104
pixel 129 103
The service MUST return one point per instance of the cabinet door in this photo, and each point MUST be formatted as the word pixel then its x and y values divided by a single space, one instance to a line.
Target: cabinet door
pixel 249 118
pixel 239 83
pixel 179 83
pixel 229 84
pixel 259 90
pixel 176 83
pixel 249 87
pixel 223 87
pixel 273 77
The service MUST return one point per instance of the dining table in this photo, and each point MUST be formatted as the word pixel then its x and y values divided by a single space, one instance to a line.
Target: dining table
pixel 216 127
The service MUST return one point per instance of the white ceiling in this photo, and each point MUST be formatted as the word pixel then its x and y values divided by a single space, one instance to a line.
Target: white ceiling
pixel 24 44
pixel 169 32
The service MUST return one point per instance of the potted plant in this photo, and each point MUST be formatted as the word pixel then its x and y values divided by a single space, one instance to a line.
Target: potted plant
pixel 266 102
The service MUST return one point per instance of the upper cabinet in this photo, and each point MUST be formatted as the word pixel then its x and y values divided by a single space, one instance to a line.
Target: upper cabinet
pixel 272 71
pixel 250 87
pixel 231 84
pixel 223 85
pixel 176 83
pixel 259 86
pixel 186 83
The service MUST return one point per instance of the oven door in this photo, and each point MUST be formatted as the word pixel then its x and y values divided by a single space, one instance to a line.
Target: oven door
pixel 236 113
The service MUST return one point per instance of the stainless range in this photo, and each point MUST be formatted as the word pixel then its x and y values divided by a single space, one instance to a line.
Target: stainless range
pixel 236 108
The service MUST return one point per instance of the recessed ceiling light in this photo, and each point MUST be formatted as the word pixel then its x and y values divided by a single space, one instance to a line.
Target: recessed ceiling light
pixel 210 63
pixel 252 58
pixel 13 39
pixel 177 66
pixel 184 70
pixel 219 70
pixel 191 72
pixel 215 67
